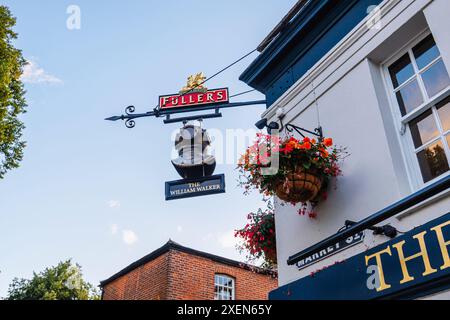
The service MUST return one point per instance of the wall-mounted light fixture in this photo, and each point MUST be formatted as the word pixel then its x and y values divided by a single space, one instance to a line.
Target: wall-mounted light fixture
pixel 263 123
pixel 387 230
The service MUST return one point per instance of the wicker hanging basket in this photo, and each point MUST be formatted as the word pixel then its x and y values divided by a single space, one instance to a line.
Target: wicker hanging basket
pixel 299 186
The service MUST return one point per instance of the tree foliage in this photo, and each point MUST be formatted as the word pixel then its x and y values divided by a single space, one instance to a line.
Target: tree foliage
pixel 62 282
pixel 12 100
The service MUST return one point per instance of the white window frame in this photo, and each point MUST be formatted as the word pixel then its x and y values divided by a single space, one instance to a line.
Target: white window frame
pixel 408 148
pixel 233 291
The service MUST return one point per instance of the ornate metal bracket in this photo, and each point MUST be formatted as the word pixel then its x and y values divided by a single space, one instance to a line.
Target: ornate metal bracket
pixel 130 115
pixel 317 131
pixel 130 123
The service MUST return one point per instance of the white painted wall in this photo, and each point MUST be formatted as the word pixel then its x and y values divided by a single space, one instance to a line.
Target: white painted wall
pixel 438 296
pixel 437 14
pixel 352 118
pixel 354 110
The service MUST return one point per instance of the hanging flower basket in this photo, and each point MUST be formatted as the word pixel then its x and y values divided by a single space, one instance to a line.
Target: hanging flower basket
pixel 258 237
pixel 304 168
pixel 299 186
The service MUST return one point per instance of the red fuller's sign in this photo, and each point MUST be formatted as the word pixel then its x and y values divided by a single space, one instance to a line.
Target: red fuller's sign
pixel 208 97
pixel 194 94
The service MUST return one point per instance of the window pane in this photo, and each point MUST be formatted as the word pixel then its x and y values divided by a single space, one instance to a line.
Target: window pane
pixel 432 161
pixel 409 97
pixel 444 114
pixel 436 78
pixel 423 129
pixel 401 70
pixel 223 287
pixel 425 52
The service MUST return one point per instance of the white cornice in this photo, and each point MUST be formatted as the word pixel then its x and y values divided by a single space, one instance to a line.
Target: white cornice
pixel 297 91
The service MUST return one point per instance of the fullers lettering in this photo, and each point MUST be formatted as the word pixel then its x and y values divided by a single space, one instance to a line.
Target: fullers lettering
pixel 195 98
pixel 195 187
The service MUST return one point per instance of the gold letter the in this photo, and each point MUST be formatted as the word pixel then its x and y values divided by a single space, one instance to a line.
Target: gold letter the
pixel 443 244
pixel 423 253
pixel 377 256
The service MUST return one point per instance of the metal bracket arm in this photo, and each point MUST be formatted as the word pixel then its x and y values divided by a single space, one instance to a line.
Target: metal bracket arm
pixel 129 115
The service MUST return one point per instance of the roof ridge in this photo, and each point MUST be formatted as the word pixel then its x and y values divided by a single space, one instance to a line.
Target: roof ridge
pixel 172 245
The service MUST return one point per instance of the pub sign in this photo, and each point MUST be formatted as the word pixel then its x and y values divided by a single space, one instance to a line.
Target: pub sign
pixel 194 163
pixel 412 265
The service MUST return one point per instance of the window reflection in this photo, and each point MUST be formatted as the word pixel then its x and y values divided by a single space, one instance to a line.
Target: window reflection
pixel 433 161
pixel 418 77
pixel 424 129
pixel 223 287
pixel 401 70
pixel 409 97
pixel 436 78
pixel 425 52
pixel 444 114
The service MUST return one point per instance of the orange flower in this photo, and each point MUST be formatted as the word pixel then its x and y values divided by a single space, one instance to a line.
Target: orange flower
pixel 324 152
pixel 313 141
pixel 307 145
pixel 288 148
pixel 328 142
pixel 292 145
pixel 306 139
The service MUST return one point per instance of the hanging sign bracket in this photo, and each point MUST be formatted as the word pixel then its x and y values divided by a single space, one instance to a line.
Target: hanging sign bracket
pixel 194 164
pixel 130 114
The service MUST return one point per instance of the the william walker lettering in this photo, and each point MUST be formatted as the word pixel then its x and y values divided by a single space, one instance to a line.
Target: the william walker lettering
pixel 194 188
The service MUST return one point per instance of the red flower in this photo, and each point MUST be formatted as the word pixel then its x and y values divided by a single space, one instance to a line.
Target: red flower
pixel 312 215
pixel 287 149
pixel 307 145
pixel 328 142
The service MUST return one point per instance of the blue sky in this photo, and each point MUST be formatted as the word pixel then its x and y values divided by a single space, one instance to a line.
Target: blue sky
pixel 93 190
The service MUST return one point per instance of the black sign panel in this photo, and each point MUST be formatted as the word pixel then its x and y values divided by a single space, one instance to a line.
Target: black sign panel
pixel 413 265
pixel 195 187
pixel 341 245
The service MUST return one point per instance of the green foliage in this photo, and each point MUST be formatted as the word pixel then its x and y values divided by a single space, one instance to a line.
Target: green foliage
pixel 12 100
pixel 63 282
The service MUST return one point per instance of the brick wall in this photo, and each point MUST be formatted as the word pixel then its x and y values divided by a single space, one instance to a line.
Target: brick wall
pixel 192 278
pixel 181 276
pixel 147 282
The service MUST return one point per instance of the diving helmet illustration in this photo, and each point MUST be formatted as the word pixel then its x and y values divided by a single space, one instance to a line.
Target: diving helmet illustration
pixel 192 144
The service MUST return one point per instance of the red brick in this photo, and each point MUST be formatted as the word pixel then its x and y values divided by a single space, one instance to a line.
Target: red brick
pixel 178 275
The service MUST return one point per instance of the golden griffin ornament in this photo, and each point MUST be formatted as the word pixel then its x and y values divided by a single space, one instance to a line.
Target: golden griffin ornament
pixel 195 84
